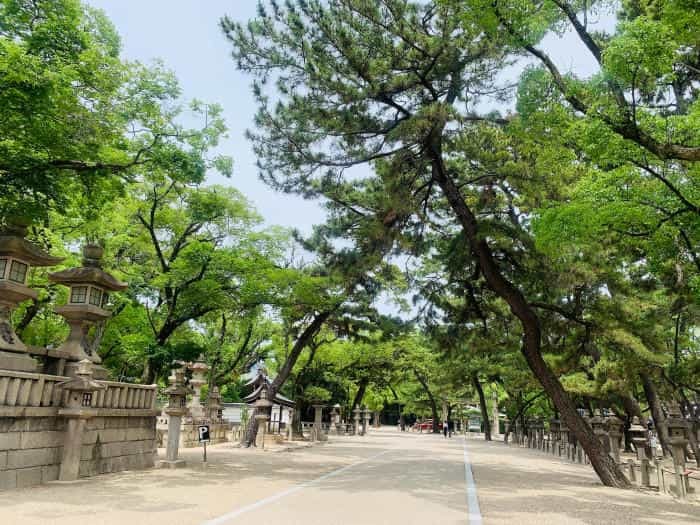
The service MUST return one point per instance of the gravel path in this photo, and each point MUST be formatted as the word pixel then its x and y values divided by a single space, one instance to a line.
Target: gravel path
pixel 518 485
pixel 384 478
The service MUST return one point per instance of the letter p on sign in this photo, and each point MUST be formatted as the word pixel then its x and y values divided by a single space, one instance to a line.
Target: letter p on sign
pixel 203 433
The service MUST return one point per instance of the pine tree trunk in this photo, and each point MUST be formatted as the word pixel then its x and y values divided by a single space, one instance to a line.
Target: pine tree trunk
pixel 657 413
pixel 482 406
pixel 361 389
pixel 608 472
pixel 431 399
pixel 304 339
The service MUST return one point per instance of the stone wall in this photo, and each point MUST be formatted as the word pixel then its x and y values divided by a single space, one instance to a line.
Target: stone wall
pixel 113 444
pixel 30 450
pixel 31 446
pixel 189 434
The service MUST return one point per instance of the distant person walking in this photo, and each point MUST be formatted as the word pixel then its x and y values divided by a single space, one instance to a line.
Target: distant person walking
pixel 445 428
pixel 450 427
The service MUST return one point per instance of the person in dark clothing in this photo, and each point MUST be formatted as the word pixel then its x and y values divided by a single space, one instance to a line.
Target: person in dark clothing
pixel 450 427
pixel 445 428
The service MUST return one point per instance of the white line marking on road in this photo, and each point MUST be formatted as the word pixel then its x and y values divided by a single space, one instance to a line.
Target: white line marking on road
pixel 270 499
pixel 474 511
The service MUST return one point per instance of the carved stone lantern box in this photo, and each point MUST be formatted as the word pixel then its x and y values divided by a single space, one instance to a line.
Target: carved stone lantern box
pixel 17 256
pixel 639 435
pixel 554 426
pixel 177 394
pixel 89 288
pixel 677 427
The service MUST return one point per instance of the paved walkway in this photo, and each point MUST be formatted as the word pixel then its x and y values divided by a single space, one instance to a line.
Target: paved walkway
pixel 383 478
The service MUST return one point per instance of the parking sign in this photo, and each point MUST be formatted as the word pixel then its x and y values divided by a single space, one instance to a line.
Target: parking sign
pixel 203 431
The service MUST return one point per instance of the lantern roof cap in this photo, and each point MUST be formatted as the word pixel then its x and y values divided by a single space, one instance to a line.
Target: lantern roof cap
pixel 83 381
pixel 13 243
pixel 90 273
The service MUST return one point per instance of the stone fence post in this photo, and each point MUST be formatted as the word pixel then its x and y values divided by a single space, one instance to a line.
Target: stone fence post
pixel 77 410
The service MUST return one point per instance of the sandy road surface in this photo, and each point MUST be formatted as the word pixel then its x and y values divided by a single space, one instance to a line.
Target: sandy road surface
pixel 384 478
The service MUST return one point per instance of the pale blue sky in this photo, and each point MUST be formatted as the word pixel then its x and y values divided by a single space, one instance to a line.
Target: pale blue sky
pixel 185 35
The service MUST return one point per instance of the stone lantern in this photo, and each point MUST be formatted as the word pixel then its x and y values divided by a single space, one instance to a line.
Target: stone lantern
pixel 677 428
pixel 177 407
pixel 615 428
pixel 89 290
pixel 262 407
pixel 640 439
pixel 564 432
pixel 598 426
pixel 17 256
pixel 80 390
pixel 356 420
pixel 531 438
pixel 318 434
pixel 641 444
pixel 335 415
pixel 366 414
pixel 214 406
pixel 554 425
pixel 199 378
pixel 290 425
pixel 539 433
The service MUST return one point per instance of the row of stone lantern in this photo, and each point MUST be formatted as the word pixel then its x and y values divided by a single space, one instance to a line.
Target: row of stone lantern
pixel 89 289
pixel 609 430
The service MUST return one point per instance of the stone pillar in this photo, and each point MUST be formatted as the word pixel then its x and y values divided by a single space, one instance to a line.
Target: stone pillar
pixel 290 425
pixel 677 427
pixel 366 413
pixel 77 410
pixel 495 430
pixel 318 434
pixel 356 421
pixel 177 407
pixel 261 420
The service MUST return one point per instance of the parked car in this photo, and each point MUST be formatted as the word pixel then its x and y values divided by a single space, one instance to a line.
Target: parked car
pixel 425 426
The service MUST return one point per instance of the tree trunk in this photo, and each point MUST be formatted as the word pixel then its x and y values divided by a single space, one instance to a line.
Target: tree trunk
pixel 304 339
pixel 433 403
pixel 657 413
pixel 297 427
pixel 361 389
pixel 608 472
pixel 482 406
pixel 148 375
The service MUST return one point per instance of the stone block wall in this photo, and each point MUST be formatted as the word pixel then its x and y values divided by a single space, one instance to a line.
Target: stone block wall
pixel 113 444
pixel 189 434
pixel 31 447
pixel 30 450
